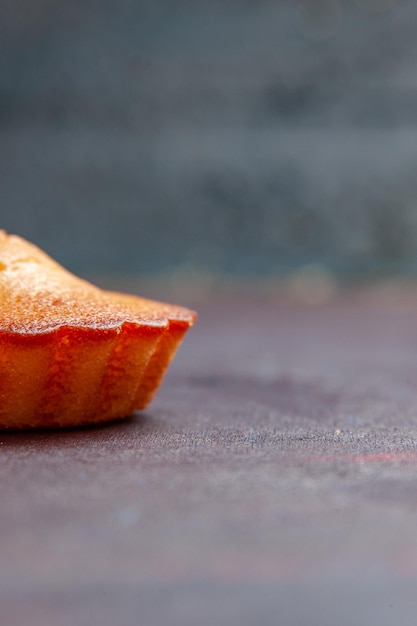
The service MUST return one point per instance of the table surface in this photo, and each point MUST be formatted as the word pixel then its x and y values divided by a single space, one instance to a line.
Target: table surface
pixel 273 480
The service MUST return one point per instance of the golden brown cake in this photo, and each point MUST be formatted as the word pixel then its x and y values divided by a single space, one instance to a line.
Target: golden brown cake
pixel 71 353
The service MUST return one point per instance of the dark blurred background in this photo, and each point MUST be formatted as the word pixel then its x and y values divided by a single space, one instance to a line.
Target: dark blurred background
pixel 230 137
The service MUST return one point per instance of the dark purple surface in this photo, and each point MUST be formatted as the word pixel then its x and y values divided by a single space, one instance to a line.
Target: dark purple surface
pixel 272 481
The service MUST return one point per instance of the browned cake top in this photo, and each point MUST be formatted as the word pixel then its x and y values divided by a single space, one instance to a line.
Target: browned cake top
pixel 38 296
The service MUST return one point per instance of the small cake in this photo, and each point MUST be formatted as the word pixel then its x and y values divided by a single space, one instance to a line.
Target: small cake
pixel 71 353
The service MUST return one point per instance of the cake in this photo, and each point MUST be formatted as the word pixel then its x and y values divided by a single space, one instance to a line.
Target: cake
pixel 74 354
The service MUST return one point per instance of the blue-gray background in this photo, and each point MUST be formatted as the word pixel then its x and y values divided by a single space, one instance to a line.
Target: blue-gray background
pixel 237 137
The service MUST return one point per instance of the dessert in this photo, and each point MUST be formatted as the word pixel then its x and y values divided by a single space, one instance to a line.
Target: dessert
pixel 72 353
